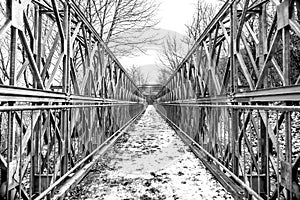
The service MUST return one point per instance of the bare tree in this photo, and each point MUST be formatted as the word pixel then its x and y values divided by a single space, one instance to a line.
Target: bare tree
pixel 174 50
pixel 204 13
pixel 163 76
pixel 4 48
pixel 137 75
pixel 122 24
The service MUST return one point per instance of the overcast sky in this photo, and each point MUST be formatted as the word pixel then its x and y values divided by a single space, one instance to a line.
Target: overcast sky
pixel 174 14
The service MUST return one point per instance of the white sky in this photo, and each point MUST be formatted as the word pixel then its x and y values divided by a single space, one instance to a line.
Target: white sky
pixel 143 59
pixel 174 14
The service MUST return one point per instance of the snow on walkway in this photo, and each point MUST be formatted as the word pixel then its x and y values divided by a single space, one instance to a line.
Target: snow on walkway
pixel 149 162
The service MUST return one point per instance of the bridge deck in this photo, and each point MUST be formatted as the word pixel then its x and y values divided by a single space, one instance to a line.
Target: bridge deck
pixel 149 162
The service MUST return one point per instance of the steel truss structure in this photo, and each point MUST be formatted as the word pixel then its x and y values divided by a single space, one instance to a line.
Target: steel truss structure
pixel 62 92
pixel 236 95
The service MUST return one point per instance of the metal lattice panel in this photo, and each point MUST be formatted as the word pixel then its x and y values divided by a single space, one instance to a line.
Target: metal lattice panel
pixel 236 94
pixel 62 94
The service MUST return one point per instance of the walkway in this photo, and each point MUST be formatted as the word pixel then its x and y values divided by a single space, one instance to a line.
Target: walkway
pixel 149 162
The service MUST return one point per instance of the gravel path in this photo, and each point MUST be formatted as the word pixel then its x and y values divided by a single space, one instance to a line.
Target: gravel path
pixel 149 162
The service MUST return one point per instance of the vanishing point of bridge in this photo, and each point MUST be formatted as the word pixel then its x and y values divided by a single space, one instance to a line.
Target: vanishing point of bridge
pixel 234 99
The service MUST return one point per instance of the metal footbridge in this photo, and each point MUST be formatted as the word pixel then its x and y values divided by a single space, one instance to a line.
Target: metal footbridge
pixel 234 99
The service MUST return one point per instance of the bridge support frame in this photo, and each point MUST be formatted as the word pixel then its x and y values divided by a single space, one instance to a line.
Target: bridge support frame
pixel 62 94
pixel 253 83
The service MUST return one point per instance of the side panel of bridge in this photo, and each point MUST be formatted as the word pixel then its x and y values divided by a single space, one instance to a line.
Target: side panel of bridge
pixel 62 94
pixel 236 94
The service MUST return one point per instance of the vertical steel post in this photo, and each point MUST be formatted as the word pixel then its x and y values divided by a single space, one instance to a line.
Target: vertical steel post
pixel 234 78
pixel 11 121
pixel 262 50
pixel 286 59
pixel 233 32
pixel 11 131
pixel 287 78
pixel 37 48
pixel 66 89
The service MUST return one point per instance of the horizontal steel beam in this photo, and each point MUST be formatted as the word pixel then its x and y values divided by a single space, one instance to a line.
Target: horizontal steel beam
pixel 240 107
pixel 10 93
pixel 59 107
pixel 17 94
pixel 288 93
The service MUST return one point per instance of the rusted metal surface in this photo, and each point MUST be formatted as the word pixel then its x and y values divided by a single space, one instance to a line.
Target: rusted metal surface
pixel 62 93
pixel 236 95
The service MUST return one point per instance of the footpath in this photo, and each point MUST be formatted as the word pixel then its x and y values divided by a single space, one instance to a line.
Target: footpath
pixel 149 162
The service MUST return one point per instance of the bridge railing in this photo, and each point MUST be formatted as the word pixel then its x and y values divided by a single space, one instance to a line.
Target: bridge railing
pixel 62 92
pixel 236 94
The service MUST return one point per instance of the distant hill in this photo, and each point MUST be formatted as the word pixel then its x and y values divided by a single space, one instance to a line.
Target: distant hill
pixel 149 62
pixel 152 71
pixel 161 35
